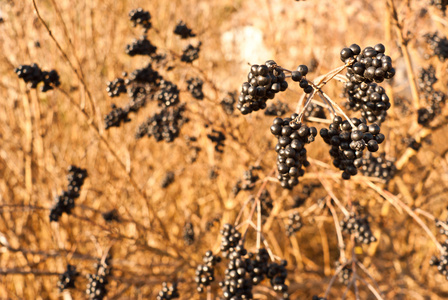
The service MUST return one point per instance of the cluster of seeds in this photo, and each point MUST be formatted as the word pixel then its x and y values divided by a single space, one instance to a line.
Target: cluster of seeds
pixel 218 138
pixel 188 234
pixel 66 201
pixel 435 99
pixel 164 125
pixel 195 88
pixel 140 46
pixel 441 263
pixel 190 53
pixel 315 111
pixel 168 94
pixel 183 31
pixel 168 293
pixel 345 274
pixel 370 98
pixel 140 17
pixel 348 143
pixel 264 81
pixel 359 227
pixel 205 274
pixel 378 167
pixel 277 109
pixel 34 75
pixel 368 65
pixel 293 224
pixel 292 138
pixel 438 45
pixel 67 279
pixel 96 286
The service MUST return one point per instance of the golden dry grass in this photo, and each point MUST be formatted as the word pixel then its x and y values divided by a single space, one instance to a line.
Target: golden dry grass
pixel 43 133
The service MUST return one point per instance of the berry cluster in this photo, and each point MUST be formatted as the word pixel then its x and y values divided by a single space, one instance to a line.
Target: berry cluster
pixel 140 17
pixel 299 76
pixel 248 181
pixel 34 75
pixel 359 227
pixel 168 293
pixel 315 111
pixel 426 79
pixel 183 31
pixel 348 143
pixel 368 65
pixel 292 138
pixel 205 274
pixel 293 224
pixel 265 203
pixel 188 234
pixel 441 262
pixel 264 81
pixel 96 286
pixel 378 167
pixel 66 201
pixel 438 45
pixel 277 109
pixel 370 98
pixel 230 240
pixel 140 46
pixel 116 117
pixel 218 138
pixel 277 274
pixel 228 103
pixel 195 88
pixel 168 94
pixel 116 87
pixel 164 125
pixel 345 274
pixel 67 279
pixel 167 180
pixel 190 53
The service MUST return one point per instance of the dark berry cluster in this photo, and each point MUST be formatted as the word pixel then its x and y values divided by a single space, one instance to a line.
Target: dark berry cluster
pixel 183 31
pixel 293 224
pixel 438 45
pixel 237 283
pixel 116 117
pixel 441 263
pixel 264 81
pixel 188 234
pixel 228 103
pixel 378 167
pixel 440 4
pixel 66 201
pixel 167 180
pixel 345 274
pixel 277 274
pixel 140 46
pixel 247 183
pixel 34 75
pixel 370 98
pixel 348 143
pixel 168 293
pixel 218 138
pixel 292 138
pixel 67 279
pixel 190 53
pixel 168 94
pixel 140 17
pixel 116 87
pixel 368 65
pixel 164 125
pixel 96 286
pixel 426 79
pixel 230 240
pixel 299 76
pixel 146 75
pixel 195 88
pixel 315 111
pixel 205 273
pixel 359 227
pixel 277 109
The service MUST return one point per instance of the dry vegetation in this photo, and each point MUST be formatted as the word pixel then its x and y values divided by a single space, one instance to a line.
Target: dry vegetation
pixel 42 134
